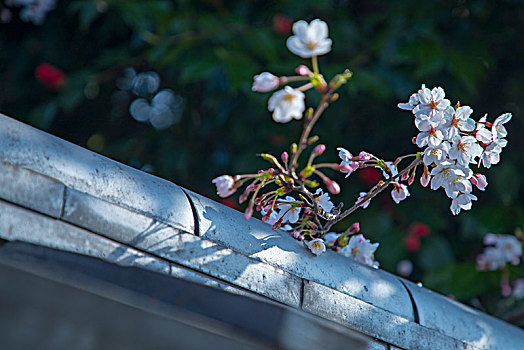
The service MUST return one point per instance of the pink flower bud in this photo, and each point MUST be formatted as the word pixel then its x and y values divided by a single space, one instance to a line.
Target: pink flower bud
pixel 480 181
pixel 333 187
pixel 307 211
pixel 284 157
pixel 243 197
pixel 249 211
pixel 354 228
pixel 425 178
pixel 414 140
pixel 319 149
pixel 303 70
pixel 296 234
pixel 265 82
pixel 404 177
pixel 411 179
pixel 364 156
pixel 300 238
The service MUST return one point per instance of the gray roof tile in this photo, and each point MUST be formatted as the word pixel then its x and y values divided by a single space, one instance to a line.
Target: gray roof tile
pixel 94 174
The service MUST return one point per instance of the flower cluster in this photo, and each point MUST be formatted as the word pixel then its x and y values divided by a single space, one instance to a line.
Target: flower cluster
pixel 287 194
pixel 501 249
pixel 452 141
pixel 160 108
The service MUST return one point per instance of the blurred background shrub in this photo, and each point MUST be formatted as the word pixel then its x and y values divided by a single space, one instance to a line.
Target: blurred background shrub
pixel 165 86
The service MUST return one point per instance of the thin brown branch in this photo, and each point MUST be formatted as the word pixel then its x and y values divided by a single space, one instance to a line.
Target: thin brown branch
pixel 308 126
pixel 372 194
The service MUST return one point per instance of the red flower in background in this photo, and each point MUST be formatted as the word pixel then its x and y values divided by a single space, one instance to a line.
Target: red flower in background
pixel 50 76
pixel 415 232
pixel 282 24
pixel 412 243
pixel 370 176
pixel 228 202
pixel 419 229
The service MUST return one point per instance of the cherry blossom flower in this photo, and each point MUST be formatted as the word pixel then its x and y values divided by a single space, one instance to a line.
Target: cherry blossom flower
pixel 509 246
pixel 430 135
pixel 330 238
pixel 34 10
pixel 273 218
pixel 490 260
pixel 393 170
pixel 465 149
pixel 458 121
pixel 491 154
pixel 365 204
pixel 414 100
pixel 518 288
pixel 225 185
pixel 500 250
pixel 497 129
pixel 482 134
pixel 287 104
pixel 347 166
pixel 458 185
pixel 444 173
pixel 462 201
pixel 323 200
pixel 309 39
pixel 288 211
pixel 360 249
pixel 436 154
pixel 432 103
pixel 400 192
pixel 316 246
pixel 265 82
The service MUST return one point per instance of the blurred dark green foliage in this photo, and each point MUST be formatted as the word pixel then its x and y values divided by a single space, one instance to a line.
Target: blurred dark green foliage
pixel 208 52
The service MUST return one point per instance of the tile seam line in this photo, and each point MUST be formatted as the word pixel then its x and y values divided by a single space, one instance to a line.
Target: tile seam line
pixel 413 303
pixel 106 200
pixel 196 224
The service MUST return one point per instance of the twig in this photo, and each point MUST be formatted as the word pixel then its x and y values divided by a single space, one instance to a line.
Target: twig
pixel 371 195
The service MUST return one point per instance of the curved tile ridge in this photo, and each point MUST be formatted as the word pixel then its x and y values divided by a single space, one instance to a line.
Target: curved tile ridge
pixel 256 239
pixel 462 322
pixel 94 174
